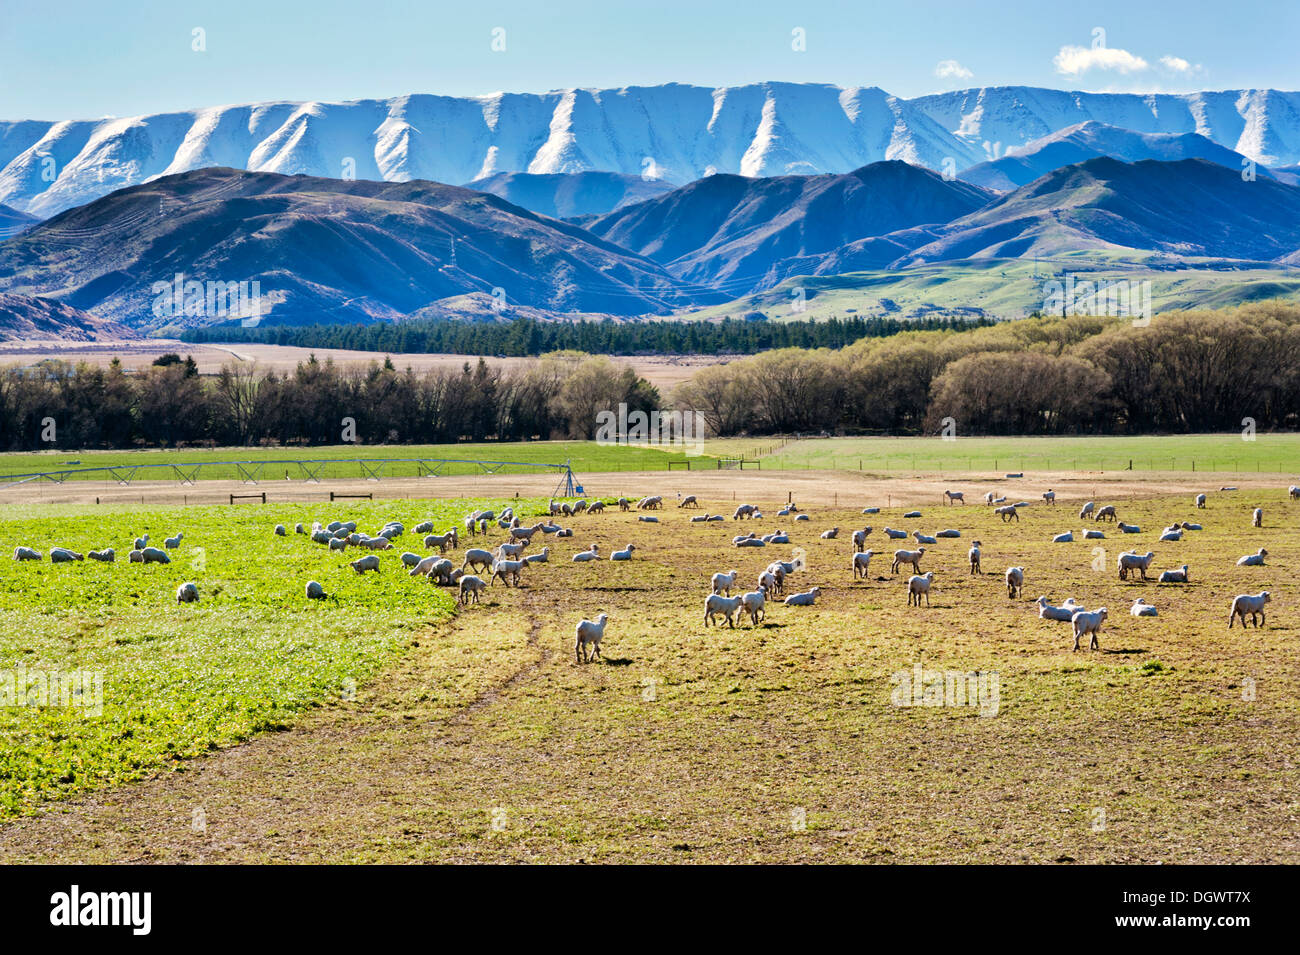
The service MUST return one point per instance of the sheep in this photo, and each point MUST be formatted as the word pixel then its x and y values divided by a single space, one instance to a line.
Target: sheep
pixel 1088 622
pixel 789 567
pixel 1200 502
pixel 1293 492
pixel 187 593
pixel 26 553
pixel 333 526
pixel 107 556
pixel 1170 534
pixel 476 557
pixel 442 571
pixel 1015 581
pixel 375 543
pixel 778 536
pixel 1131 561
pixel 142 542
pixel 338 543
pixel 508 571
pixel 954 497
pixel 1253 560
pixel 511 550
pixel 1258 519
pixel 135 557
pixel 754 604
pixel 1252 604
pixel 1007 512
pixel 871 510
pixel 974 555
pixel 581 505
pixel 171 543
pixel 426 565
pixel 469 586
pixel 805 599
pixel 988 498
pixel 1049 497
pixel 924 538
pixel 593 553
pixel 363 564
pixel 916 586
pixel 784 512
pixel 299 529
pixel 831 534
pixel 540 558
pixel 699 518
pixel 718 517
pixel 744 510
pixel 564 532
pixel 911 514
pixel 715 604
pixel 152 555
pixel 862 563
pixel 424 527
pixel 654 502
pixel 471 525
pixel 722 583
pixel 1187 526
pixel 440 541
pixel 409 559
pixel 860 537
pixel 648 520
pixel 524 533
pixel 1062 614
pixel 279 530
pixel 62 555
pixel 315 591
pixel 1178 576
pixel 1129 528
pixel 767 583
pixel 1086 509
pixel 550 528
pixel 912 557
pixel 1090 535
pixel 597 507
pixel 895 535
pixel 949 532
pixel 688 501
pixel 1141 608
pixel 589 632
pixel 1065 538
pixel 624 504
pixel 623 554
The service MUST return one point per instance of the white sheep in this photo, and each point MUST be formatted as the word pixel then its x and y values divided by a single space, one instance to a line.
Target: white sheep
pixel 135 557
pixel 299 529
pixel 543 557
pixel 1258 519
pixel 511 549
pixel 949 532
pixel 924 538
pixel 831 534
pixel 1049 496
pixel 1188 526
pixel 860 537
pixel 1129 528
pixel 954 497
pixel 805 599
pixel 426 565
pixel 974 555
pixel 589 632
pixel 440 541
pixel 26 553
pixel 744 510
pixel 107 555
pixel 315 591
pixel 1063 614
pixel 912 557
pixel 171 543
pixel 508 570
pixel 688 501
pixel 918 585
pixel 1086 509
pixel 1130 561
pixel 624 504
pixel 768 583
pixel 1170 534
pixel 1106 513
pixel 862 563
pixel 1089 534
pixel 410 560
pixel 476 557
pixel 895 535
pixel 142 542
pixel 339 543
pixel 1088 622
pixel 1293 492
pixel 524 533
pixel 470 586
pixel 63 555
pixel 592 553
pixel 988 498
pixel 724 582
pixel 187 593
pixel 1141 608
pixel 715 604
pixel 1015 581
pixel 1065 538
pixel 648 519
pixel 153 555
pixel 279 530
pixel 1200 502
pixel 1253 560
pixel 755 605
pixel 1008 513
pixel 623 554
pixel 1252 604
pixel 1178 576
pixel 776 537
pixel 911 514
pixel 317 536
pixel 871 510
pixel 363 564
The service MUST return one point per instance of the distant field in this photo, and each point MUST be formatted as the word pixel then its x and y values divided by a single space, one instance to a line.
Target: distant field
pixel 1272 453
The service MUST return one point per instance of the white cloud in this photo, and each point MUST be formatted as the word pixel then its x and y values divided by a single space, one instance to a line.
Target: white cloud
pixel 1076 60
pixel 952 70
pixel 1176 64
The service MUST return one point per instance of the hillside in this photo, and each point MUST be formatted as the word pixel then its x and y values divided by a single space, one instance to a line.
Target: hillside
pixel 571 195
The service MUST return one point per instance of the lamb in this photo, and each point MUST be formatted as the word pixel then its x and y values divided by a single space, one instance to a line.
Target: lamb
pixel 426 565
pixel 831 534
pixel 954 497
pixel 135 557
pixel 1129 528
pixel 1141 608
pixel 508 571
pixel 862 564
pixel 718 517
pixel 476 557
pixel 912 557
pixel 1253 560
pixel 564 532
pixel 152 555
pixel 1015 581
pixel 589 632
pixel 654 502
pixel 1178 576
pixel 540 558
pixel 623 554
pixel 699 518
pixel 471 525
pixel 778 574
pixel 1200 502
pixel 409 559
pixel 171 543
pixel 424 527
pixel 1007 512
pixel 1130 561
pixel 722 583
pixel 581 505
pixel 26 553
pixel 315 591
pixel 1063 614
pixel 376 543
pixel 443 572
pixel 768 584
pixel 988 498
pixel 924 538
pixel 1106 513
pixel 279 530
pixel 949 532
pixel 784 512
pixel 860 537
pixel 1086 510
pixel 688 501
pixel 62 555
pixel 715 604
pixel 916 586
pixel 895 535
pixel 1293 492
pixel 142 542
pixel 1187 526
pixel 597 507
pixel 1088 622
pixel 187 593
pixel 107 556
pixel 1258 519
pixel 440 541
pixel 648 520
pixel 624 504
pixel 511 550
pixel 1065 538
pixel 363 564
pixel 777 537
pixel 592 554
pixel 299 529
pixel 744 510
pixel 470 586
pixel 805 599
pixel 871 510
pixel 1170 534
pixel 1252 604
pixel 339 543
pixel 754 604
pixel 524 533
pixel 974 555
pixel 1049 497
pixel 1089 534
pixel 911 514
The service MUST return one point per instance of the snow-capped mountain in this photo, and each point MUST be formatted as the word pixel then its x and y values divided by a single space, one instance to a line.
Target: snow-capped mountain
pixel 680 133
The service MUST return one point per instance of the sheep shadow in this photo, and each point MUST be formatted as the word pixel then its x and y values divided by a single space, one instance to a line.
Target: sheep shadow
pixel 617 661
pixel 1128 650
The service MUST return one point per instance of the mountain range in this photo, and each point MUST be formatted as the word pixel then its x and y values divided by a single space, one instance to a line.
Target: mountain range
pixel 674 132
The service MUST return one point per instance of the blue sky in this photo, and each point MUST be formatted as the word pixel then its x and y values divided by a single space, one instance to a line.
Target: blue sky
pixel 84 59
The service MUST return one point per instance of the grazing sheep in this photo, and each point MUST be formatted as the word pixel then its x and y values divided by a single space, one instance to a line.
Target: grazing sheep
pixel 767 583
pixel 62 555
pixel 1106 513
pixel 871 510
pixel 988 498
pixel 142 542
pixel 153 555
pixel 591 554
pixel 171 543
pixel 279 530
pixel 339 543
pixel 1258 519
pixel 862 563
pixel 895 535
pixel 1129 528
pixel 831 534
pixel 135 557
pixel 317 536
pixel 1253 560
pixel 1007 512
pixel 508 571
pixel 470 586
pixel 1065 538
pixel 1130 561
pixel 715 604
pixel 1015 581
pixel 722 583
pixel 426 565
pixel 688 501
pixel 912 557
pixel 1088 622
pixel 623 554
pixel 410 560
pixel 375 543
pixel 954 497
pixel 589 632
pixel 444 572
pixel 1293 492
pixel 315 591
pixel 26 553
pixel 624 504
pixel 916 586
pixel 1141 608
pixel 1200 502
pixel 476 558
pixel 1089 534
pixel 363 564
pixel 1086 510
pixel 597 507
pixel 654 502
pixel 860 537
pixel 744 510
pixel 107 556
pixel 541 558
pixel 1063 614
pixel 187 593
pixel 424 527
pixel 299 529
pixel 580 506
pixel 805 599
pixel 1252 604
pixel 1178 576
pixel 440 541
pixel 754 604
pixel 511 550
pixel 524 533
pixel 974 555
pixel 924 538
pixel 1049 496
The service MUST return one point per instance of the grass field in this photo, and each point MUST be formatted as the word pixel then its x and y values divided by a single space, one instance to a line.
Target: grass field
pixel 484 741
pixel 1267 453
